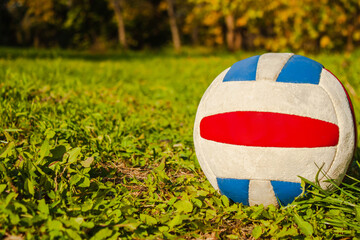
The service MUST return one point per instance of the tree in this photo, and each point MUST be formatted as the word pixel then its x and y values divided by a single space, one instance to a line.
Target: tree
pixel 118 6
pixel 236 17
pixel 173 26
pixel 35 19
pixel 230 33
pixel 220 18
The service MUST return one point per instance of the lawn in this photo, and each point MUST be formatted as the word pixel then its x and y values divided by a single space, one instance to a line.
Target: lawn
pixel 99 146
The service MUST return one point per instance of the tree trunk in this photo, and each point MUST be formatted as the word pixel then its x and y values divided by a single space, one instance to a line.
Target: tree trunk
pixel 36 40
pixel 117 4
pixel 350 42
pixel 230 34
pixel 237 40
pixel 195 35
pixel 173 26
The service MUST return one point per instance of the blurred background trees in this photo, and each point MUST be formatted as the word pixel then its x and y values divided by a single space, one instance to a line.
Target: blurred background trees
pixel 272 25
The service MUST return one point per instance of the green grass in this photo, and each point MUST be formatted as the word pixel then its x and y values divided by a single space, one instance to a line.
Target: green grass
pixel 100 146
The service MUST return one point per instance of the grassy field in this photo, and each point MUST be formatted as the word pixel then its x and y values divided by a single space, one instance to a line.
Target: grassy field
pixel 100 147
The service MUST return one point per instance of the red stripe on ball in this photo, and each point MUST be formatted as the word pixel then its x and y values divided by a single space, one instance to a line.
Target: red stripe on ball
pixel 268 129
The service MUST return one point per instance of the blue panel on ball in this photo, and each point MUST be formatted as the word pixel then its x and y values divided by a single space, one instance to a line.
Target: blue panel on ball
pixel 235 189
pixel 244 70
pixel 299 69
pixel 286 191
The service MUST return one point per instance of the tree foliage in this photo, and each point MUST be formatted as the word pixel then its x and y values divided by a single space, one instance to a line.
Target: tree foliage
pixel 272 25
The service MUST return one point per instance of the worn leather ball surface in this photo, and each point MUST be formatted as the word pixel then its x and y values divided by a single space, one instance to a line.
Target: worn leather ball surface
pixel 269 119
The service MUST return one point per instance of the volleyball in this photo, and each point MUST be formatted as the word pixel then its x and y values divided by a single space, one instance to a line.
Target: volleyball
pixel 269 119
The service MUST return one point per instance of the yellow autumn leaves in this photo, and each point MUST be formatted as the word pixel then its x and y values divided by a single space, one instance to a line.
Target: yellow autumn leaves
pixel 304 24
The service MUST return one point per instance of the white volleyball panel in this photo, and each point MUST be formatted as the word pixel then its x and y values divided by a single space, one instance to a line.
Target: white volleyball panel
pixel 199 151
pixel 203 161
pixel 346 145
pixel 307 100
pixel 261 192
pixel 270 64
pixel 265 163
